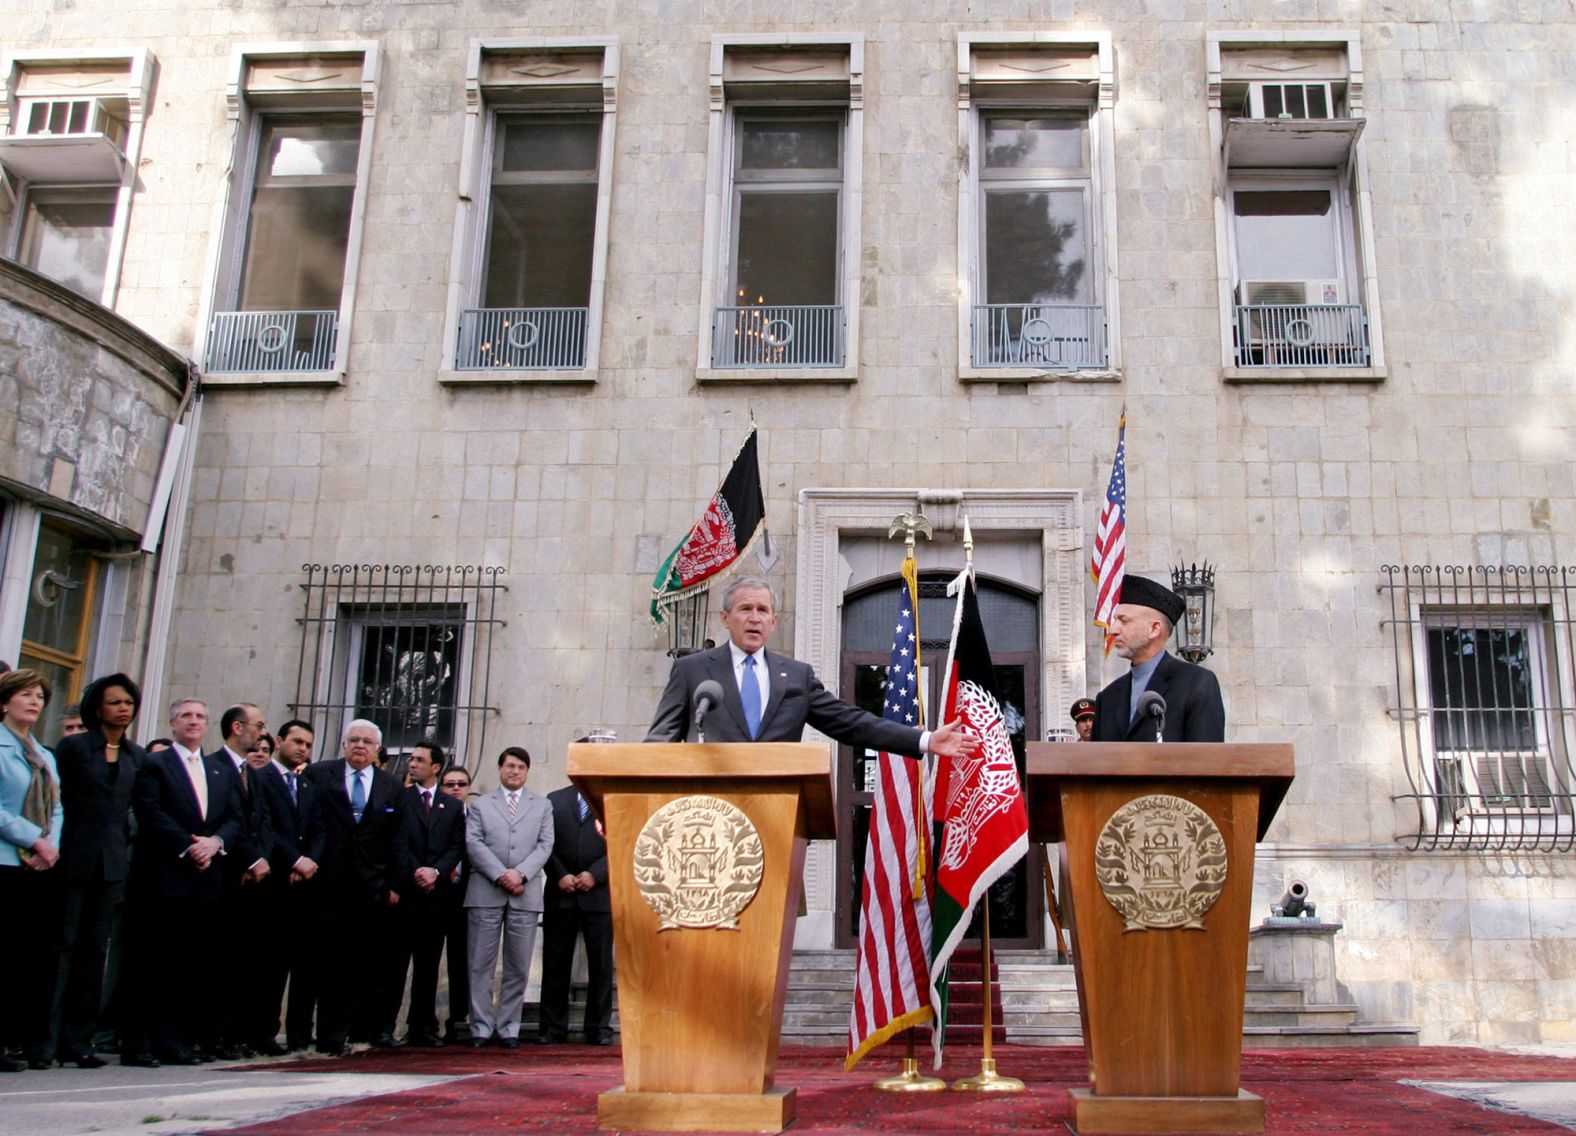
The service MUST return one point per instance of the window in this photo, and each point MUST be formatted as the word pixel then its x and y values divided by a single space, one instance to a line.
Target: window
pixel 1484 657
pixel 62 603
pixel 1034 194
pixel 782 235
pixel 407 647
pixel 284 282
pixel 69 142
pixel 1297 288
pixel 531 236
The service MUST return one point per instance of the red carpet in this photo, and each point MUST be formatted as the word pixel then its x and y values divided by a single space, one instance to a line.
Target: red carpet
pixel 1307 1092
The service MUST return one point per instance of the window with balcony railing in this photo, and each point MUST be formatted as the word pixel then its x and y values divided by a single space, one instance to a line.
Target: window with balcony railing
pixel 284 277
pixel 1483 701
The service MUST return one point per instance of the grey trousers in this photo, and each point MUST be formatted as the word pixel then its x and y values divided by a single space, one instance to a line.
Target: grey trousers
pixel 518 930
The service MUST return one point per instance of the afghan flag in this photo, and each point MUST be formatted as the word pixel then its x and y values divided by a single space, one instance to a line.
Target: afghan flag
pixel 978 802
pixel 732 520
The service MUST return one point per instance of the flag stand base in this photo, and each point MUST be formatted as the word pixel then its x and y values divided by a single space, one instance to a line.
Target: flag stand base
pixel 910 1080
pixel 988 1081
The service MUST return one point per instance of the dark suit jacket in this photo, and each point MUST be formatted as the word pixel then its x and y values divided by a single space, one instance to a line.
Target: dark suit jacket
pixel 1194 711
pixel 436 841
pixel 797 698
pixel 96 797
pixel 256 839
pixel 168 817
pixel 577 847
pixel 358 859
pixel 295 827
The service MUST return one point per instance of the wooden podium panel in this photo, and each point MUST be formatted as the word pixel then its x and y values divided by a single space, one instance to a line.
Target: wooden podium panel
pixel 1162 1008
pixel 701 1008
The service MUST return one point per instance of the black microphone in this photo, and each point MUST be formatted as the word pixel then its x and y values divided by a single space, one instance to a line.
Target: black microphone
pixel 707 695
pixel 1151 705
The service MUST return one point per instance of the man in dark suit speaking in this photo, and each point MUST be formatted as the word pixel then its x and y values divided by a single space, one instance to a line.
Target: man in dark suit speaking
pixel 1141 624
pixel 767 697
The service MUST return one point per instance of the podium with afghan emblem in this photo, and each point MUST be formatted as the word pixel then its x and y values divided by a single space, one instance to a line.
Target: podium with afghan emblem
pixel 705 847
pixel 1158 858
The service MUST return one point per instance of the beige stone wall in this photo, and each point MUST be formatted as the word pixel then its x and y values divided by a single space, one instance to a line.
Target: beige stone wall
pixel 1298 493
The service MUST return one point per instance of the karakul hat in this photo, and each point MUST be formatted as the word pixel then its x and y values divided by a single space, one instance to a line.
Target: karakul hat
pixel 1147 593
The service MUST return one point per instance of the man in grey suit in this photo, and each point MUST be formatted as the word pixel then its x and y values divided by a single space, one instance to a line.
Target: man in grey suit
pixel 508 837
pixel 767 697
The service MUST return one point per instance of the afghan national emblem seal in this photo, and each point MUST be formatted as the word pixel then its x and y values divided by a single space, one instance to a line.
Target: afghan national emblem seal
pixel 1161 862
pixel 698 863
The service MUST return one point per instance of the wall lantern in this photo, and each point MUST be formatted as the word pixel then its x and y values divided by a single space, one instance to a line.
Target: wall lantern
pixel 1196 632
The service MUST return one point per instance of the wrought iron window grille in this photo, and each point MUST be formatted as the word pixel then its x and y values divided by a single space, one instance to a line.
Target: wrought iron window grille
pixel 1483 679
pixel 406 646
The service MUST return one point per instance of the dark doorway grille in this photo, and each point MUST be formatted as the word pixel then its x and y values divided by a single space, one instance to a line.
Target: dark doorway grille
pixel 408 646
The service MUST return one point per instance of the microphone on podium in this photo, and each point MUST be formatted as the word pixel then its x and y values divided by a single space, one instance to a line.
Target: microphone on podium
pixel 1151 705
pixel 707 695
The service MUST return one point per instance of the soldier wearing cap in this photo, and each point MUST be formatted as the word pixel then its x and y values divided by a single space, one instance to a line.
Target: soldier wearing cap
pixel 1082 715
pixel 1140 627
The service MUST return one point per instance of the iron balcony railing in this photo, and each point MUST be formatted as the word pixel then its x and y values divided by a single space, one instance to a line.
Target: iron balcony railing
pixel 804 335
pixel 1301 335
pixel 1065 337
pixel 535 339
pixel 272 341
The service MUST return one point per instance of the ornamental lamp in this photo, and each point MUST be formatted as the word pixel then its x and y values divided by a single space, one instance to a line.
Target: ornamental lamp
pixel 686 620
pixel 1196 631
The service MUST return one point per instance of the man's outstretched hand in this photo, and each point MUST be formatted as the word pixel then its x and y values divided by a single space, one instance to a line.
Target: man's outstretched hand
pixel 952 740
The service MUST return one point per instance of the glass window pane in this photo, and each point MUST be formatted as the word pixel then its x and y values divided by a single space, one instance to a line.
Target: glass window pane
pixel 787 248
pixel 546 146
pixel 67 238
pixel 1286 234
pixel 295 256
pixel 1021 143
pixel 1481 687
pixel 318 148
pixel 1036 247
pixel 406 681
pixel 539 251
pixel 782 144
pixel 58 604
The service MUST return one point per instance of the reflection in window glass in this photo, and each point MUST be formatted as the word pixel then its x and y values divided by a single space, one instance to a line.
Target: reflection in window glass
pixel 542 223
pixel 787 248
pixel 1036 247
pixel 66 236
pixel 774 144
pixel 1035 143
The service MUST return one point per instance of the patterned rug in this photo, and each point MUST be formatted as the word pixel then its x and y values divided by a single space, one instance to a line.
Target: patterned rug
pixel 1307 1092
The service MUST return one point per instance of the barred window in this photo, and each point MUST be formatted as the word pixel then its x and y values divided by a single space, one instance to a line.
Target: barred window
pixel 406 646
pixel 1483 675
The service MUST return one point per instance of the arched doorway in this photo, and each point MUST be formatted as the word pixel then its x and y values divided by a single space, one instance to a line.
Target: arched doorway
pixel 1011 617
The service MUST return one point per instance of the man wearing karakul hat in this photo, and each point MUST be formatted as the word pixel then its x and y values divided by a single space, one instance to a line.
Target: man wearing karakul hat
pixel 1140 627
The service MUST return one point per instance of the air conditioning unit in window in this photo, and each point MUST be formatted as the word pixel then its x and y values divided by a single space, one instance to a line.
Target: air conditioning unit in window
pixel 1299 292
pixel 1290 100
pixel 69 118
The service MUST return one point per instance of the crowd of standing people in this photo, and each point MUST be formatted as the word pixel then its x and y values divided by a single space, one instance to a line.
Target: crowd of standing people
pixel 240 893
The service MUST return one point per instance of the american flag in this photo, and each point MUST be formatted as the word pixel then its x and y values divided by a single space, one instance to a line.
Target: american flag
pixel 892 980
pixel 1108 562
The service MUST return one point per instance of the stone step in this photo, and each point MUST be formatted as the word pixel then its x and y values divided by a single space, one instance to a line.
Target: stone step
pixel 1299 1016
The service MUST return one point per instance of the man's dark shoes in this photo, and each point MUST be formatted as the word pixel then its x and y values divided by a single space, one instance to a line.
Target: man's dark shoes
pixel 508 1043
pixel 550 1037
pixel 386 1041
pixel 182 1057
pixel 140 1060
pixel 268 1048
pixel 424 1040
pixel 229 1052
pixel 477 1042
pixel 603 1038
pixel 84 1060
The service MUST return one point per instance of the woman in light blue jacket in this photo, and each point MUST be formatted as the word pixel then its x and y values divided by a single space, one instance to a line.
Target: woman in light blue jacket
pixel 30 893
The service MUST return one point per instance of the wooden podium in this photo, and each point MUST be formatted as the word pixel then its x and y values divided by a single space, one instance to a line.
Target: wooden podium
pixel 701 1008
pixel 1161 1006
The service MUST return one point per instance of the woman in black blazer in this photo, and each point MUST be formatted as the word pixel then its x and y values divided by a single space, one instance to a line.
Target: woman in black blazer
pixel 97 770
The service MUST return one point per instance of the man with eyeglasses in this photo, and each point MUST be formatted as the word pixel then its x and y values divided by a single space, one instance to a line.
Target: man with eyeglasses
pixel 360 811
pixel 456 783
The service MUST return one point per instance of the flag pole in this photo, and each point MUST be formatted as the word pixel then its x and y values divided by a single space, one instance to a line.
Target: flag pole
pixel 910 1079
pixel 988 1081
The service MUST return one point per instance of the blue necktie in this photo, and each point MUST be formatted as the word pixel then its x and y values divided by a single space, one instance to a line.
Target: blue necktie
pixel 358 796
pixel 290 779
pixel 750 695
pixel 585 809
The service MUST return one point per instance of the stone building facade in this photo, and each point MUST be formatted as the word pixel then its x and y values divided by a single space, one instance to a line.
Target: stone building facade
pixel 499 288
